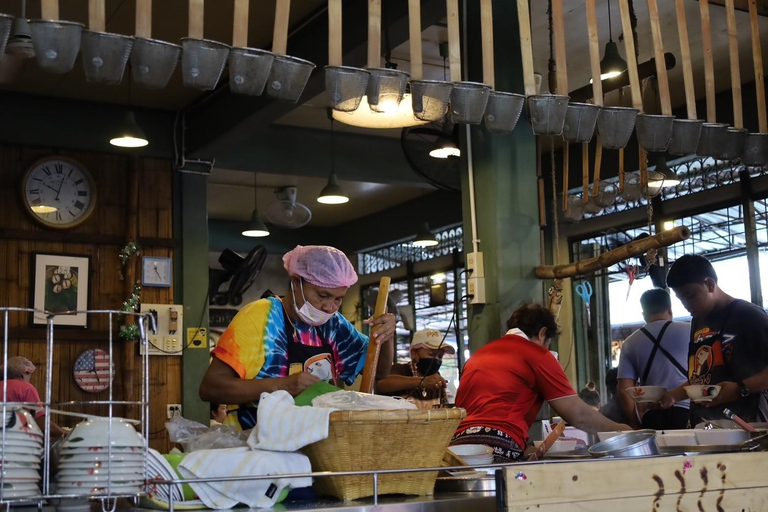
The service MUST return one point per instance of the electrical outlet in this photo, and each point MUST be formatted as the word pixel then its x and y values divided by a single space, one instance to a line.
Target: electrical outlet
pixel 173 410
pixel 171 344
pixel 475 264
pixel 476 289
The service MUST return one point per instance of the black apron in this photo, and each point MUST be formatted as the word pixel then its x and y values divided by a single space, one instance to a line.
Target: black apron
pixel 656 347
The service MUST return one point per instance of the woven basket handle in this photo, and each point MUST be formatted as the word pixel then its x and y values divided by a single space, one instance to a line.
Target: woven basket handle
pixel 372 356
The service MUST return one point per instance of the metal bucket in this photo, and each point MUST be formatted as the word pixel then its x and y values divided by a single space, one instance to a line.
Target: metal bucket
pixel 430 99
pixel 755 150
pixel 574 212
pixel 606 194
pixel 288 77
pixel 632 190
pixel 654 131
pixel 712 140
pixel 468 102
pixel 249 70
pixel 56 43
pixel 6 23
pixel 547 113
pixel 202 62
pixel 153 62
pixel 345 86
pixel 615 126
pixel 503 111
pixel 105 56
pixel 735 138
pixel 580 121
pixel 386 88
pixel 685 136
pixel 639 443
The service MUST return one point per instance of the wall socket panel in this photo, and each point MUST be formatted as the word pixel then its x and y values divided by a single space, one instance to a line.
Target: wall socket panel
pixel 476 289
pixel 169 338
pixel 475 264
pixel 173 410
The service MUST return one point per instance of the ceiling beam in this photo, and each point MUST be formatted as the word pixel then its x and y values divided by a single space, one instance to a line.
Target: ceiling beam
pixel 219 125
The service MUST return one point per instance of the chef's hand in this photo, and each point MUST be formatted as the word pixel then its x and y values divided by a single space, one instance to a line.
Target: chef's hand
pixel 666 401
pixel 729 392
pixel 298 382
pixel 434 381
pixel 386 332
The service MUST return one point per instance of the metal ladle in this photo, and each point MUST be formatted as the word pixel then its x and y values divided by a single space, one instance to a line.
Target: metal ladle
pixel 345 85
pixel 152 61
pixel 468 99
pixel 56 42
pixel 104 55
pixel 289 75
pixel 735 136
pixel 248 67
pixel 202 60
pixel 712 137
pixel 756 145
pixel 386 87
pixel 430 97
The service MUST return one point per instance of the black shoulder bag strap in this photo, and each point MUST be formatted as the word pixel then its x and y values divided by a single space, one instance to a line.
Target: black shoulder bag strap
pixel 657 346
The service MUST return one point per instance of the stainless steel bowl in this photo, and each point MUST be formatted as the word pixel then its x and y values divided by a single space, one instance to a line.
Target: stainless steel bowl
pixel 631 444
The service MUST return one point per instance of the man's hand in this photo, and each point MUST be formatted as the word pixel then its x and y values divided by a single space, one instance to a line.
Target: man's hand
pixel 667 400
pixel 434 381
pixel 729 392
pixel 298 382
pixel 384 333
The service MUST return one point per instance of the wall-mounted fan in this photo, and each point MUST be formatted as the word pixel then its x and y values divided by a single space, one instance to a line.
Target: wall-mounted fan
pixel 239 271
pixel 418 141
pixel 18 50
pixel 286 212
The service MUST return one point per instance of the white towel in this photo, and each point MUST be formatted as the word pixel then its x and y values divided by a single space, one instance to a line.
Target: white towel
pixel 282 426
pixel 243 462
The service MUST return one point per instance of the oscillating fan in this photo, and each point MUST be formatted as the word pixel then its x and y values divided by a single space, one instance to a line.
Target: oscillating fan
pixel 286 212
pixel 239 271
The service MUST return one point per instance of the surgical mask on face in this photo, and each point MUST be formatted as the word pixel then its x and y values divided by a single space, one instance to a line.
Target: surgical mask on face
pixel 428 366
pixel 308 313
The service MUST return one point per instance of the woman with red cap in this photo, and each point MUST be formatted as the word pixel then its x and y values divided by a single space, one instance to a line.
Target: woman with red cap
pixel 291 343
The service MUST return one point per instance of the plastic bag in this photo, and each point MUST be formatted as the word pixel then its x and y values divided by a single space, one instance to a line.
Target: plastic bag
pixel 354 401
pixel 195 436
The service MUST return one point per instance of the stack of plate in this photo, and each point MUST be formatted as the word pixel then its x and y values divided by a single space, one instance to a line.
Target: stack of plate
pixel 474 454
pixel 21 453
pixel 94 462
pixel 158 468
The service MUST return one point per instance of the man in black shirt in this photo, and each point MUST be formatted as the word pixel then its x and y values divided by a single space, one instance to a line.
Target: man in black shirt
pixel 728 346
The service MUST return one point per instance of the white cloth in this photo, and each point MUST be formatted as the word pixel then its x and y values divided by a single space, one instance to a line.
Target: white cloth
pixel 282 426
pixel 354 401
pixel 243 462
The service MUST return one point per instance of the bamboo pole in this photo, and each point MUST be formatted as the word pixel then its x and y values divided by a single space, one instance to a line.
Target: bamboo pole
pixel 196 18
pixel 414 33
pixel 454 40
pixel 709 63
pixel 49 9
pixel 372 355
pixel 526 47
pixel 658 51
pixel 607 259
pixel 594 53
pixel 144 19
pixel 685 56
pixel 558 26
pixel 585 172
pixel 374 34
pixel 240 24
pixel 757 60
pixel 598 165
pixel 486 27
pixel 566 171
pixel 733 51
pixel 96 16
pixel 629 48
pixel 334 33
pixel 280 33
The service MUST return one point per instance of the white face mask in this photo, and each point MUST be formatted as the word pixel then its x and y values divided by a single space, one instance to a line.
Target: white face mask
pixel 308 313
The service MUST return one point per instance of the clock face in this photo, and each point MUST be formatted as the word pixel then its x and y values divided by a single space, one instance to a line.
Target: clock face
pixel 58 192
pixel 157 271
pixel 92 371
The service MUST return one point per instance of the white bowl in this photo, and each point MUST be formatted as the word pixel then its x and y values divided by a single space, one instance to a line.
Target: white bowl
pixel 463 450
pixel 135 465
pixel 702 393
pixel 99 490
pixel 11 449
pixel 561 445
pixel 20 474
pixel 101 457
pixel 19 457
pixel 19 420
pixel 646 394
pixel 21 436
pixel 114 470
pixel 72 450
pixel 94 432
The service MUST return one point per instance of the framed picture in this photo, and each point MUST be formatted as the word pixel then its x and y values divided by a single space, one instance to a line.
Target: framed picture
pixel 60 283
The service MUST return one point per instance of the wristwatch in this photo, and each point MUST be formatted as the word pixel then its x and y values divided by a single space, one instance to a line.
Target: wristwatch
pixel 743 391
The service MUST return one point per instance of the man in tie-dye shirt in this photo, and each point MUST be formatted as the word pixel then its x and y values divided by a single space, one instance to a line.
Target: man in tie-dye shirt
pixel 294 342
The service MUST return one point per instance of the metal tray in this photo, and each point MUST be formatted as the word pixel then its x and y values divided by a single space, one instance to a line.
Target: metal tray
pixel 706 448
pixel 469 483
pixel 579 453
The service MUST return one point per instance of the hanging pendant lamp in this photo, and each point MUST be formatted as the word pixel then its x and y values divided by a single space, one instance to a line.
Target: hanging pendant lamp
pixel 332 193
pixel 425 238
pixel 129 134
pixel 256 227
pixel 612 64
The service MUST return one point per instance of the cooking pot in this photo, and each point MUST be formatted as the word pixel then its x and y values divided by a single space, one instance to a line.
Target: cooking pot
pixel 630 444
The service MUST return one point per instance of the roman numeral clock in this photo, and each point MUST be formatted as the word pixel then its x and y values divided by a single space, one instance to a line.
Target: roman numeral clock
pixel 58 192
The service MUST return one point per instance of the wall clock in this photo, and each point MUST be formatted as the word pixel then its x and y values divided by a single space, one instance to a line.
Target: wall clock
pixel 156 271
pixel 58 192
pixel 92 371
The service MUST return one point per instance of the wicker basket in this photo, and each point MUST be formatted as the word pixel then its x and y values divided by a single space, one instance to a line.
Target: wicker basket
pixel 375 440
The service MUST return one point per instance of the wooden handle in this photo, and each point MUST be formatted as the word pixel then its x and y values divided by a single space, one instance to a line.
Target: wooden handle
pixel 733 50
pixel 454 40
pixel 548 442
pixel 594 53
pixel 526 47
pixel 144 18
pixel 96 16
pixel 629 48
pixel 240 24
pixel 414 33
pixel 280 33
pixel 374 34
pixel 334 32
pixel 486 24
pixel 709 63
pixel 49 9
pixel 757 59
pixel 685 56
pixel 196 18
pixel 558 26
pixel 372 355
pixel 566 172
pixel 658 52
pixel 542 204
pixel 585 172
pixel 621 170
pixel 598 165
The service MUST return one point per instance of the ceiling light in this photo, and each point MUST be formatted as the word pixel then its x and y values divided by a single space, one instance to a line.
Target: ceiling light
pixel 425 238
pixel 332 193
pixel 256 227
pixel 393 116
pixel 447 146
pixel 669 224
pixel 20 43
pixel 438 278
pixel 129 135
pixel 669 178
pixel 612 64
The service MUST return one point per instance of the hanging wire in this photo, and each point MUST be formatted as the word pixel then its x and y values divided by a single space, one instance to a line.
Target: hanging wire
pixel 387 48
pixel 333 159
pixel 551 65
pixel 610 29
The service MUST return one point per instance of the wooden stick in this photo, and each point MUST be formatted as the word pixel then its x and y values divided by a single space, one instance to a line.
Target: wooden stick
pixel 621 170
pixel 566 172
pixel 454 40
pixel 607 259
pixel 685 56
pixel 50 9
pixel 542 204
pixel 96 16
pixel 372 355
pixel 240 24
pixel 658 51
pixel 629 48
pixel 280 34
pixel 643 166
pixel 594 53
pixel 709 63
pixel 585 172
pixel 374 34
pixel 144 18
pixel 733 47
pixel 196 18
pixel 334 33
pixel 558 26
pixel 598 165
pixel 486 24
pixel 414 33
pixel 526 47
pixel 757 59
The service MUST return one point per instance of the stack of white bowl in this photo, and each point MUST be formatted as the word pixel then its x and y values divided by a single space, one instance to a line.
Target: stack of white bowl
pixel 474 454
pixel 21 453
pixel 92 463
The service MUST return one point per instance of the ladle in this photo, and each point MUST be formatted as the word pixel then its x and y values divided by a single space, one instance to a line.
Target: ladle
pixel 104 55
pixel 735 136
pixel 756 145
pixel 289 75
pixel 685 132
pixel 56 42
pixel 468 99
pixel 386 87
pixel 248 67
pixel 712 137
pixel 580 118
pixel 152 61
pixel 345 85
pixel 430 97
pixel 202 60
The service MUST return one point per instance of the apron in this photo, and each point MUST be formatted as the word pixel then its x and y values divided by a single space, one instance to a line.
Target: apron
pixel 656 347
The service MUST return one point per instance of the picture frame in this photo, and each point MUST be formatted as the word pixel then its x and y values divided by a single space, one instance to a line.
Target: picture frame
pixel 60 283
